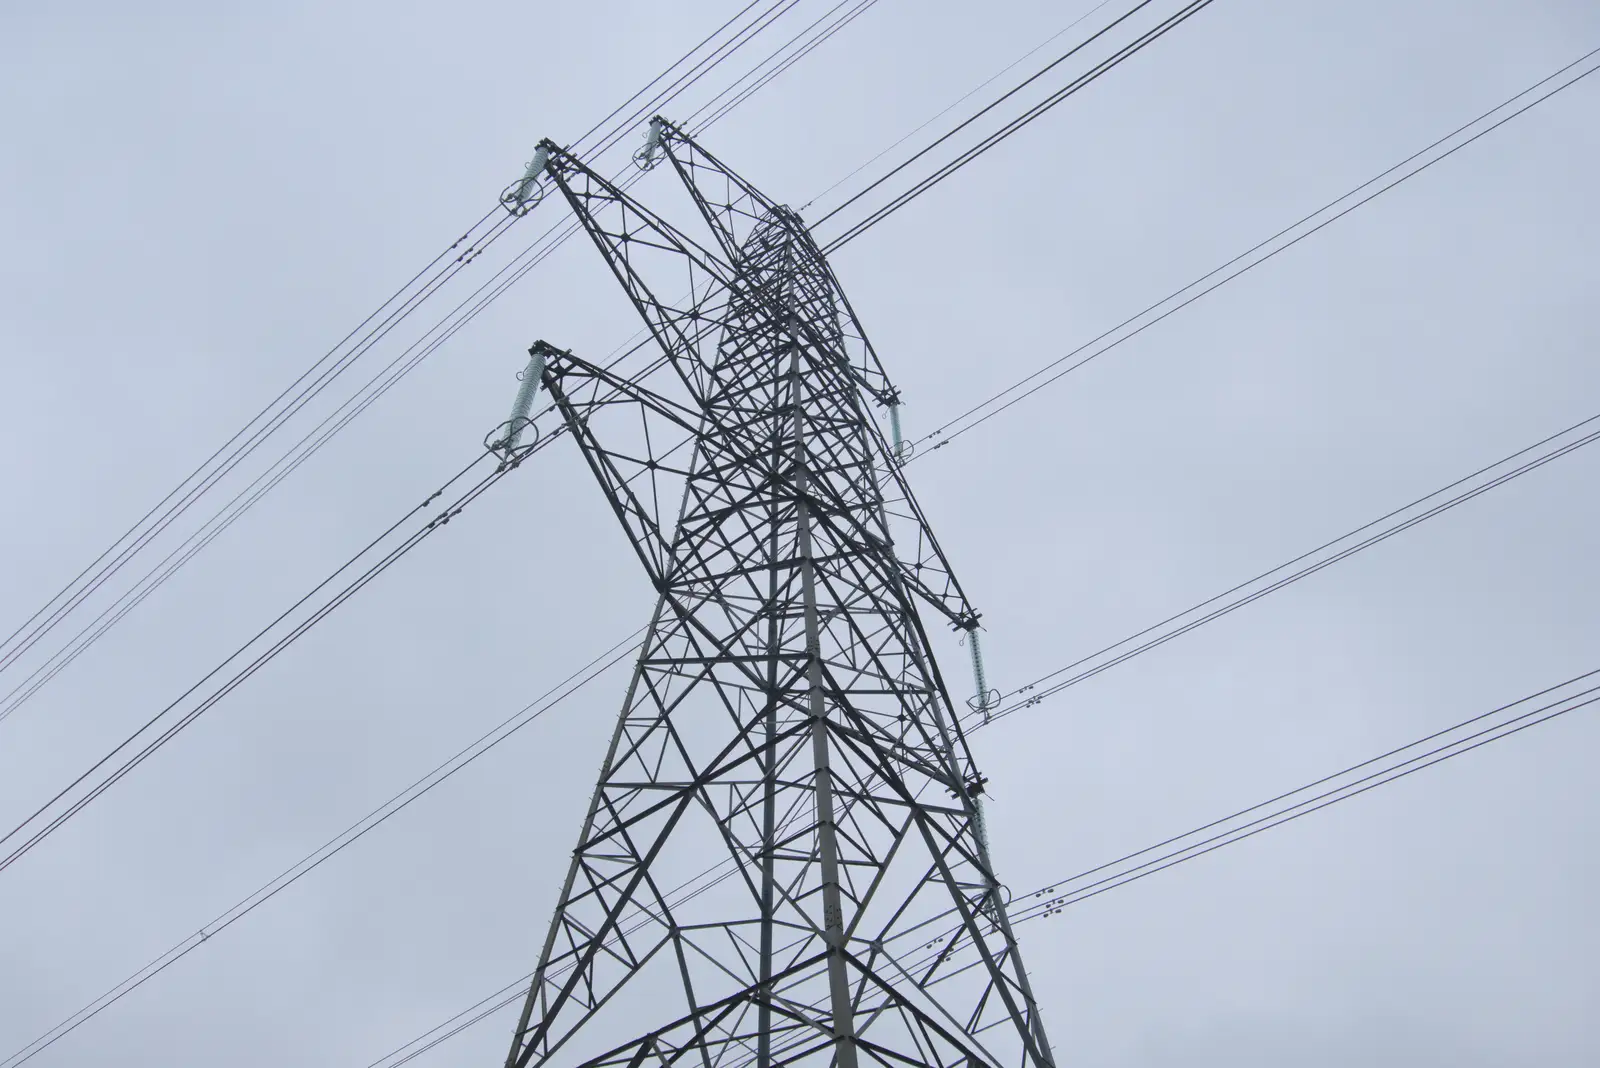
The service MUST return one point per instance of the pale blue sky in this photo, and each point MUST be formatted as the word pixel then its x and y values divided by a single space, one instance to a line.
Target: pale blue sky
pixel 200 199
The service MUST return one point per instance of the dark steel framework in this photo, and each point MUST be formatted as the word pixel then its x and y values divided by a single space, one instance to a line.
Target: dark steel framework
pixel 786 719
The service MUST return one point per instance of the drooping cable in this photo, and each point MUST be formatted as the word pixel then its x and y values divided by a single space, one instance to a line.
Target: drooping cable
pixel 251 494
pixel 475 1013
pixel 339 842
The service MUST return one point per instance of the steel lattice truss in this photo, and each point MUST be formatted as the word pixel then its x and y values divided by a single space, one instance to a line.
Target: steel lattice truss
pixel 786 721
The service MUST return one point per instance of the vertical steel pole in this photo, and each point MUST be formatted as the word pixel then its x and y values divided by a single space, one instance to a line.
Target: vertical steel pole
pixel 827 835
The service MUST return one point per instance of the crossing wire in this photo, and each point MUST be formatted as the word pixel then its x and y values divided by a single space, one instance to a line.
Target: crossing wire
pixel 1563 444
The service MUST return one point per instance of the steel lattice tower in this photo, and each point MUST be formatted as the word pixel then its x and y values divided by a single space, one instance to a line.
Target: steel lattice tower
pixel 786 720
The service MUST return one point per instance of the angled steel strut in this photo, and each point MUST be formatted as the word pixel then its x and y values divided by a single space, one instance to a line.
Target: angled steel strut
pixel 786 721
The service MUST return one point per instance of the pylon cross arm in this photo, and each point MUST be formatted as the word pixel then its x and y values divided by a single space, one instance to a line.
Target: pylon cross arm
pixel 629 472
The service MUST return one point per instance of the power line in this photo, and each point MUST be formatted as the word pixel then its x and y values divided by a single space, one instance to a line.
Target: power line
pixel 800 53
pixel 246 498
pixel 503 998
pixel 652 83
pixel 443 515
pixel 1353 781
pixel 1312 561
pixel 347 837
pixel 1246 263
pixel 65 591
pixel 778 9
pixel 337 844
pixel 188 491
pixel 975 116
pixel 333 846
pixel 968 95
pixel 1492 726
pixel 1125 52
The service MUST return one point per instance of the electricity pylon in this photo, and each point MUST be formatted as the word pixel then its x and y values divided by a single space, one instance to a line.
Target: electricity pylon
pixel 786 721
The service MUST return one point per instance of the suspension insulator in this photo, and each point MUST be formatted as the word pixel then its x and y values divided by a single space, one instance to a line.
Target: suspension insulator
pixel 645 158
pixel 527 191
pixel 531 376
pixel 984 699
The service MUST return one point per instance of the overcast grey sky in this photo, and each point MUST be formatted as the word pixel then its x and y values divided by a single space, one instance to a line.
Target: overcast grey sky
pixel 199 199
